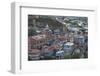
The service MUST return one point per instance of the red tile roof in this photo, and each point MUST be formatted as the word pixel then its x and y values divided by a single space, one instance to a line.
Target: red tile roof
pixel 34 51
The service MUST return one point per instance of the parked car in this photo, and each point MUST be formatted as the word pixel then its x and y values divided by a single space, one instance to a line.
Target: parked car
pixel 60 54
pixel 68 47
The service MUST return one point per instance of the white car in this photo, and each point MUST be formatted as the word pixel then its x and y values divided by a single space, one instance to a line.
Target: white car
pixel 68 47
pixel 60 54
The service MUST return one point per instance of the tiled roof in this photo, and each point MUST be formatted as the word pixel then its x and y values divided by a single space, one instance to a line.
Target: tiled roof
pixel 38 37
pixel 34 51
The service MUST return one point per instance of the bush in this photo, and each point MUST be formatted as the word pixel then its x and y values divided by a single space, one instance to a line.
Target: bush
pixel 76 55
pixel 67 56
